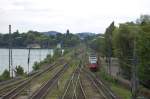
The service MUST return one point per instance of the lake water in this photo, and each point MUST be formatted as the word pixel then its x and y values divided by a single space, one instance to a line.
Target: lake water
pixel 20 57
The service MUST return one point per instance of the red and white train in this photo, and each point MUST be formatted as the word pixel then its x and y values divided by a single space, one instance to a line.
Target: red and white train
pixel 93 62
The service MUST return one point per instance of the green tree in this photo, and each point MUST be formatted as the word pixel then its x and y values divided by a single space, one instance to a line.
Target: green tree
pixel 36 66
pixel 98 45
pixel 123 40
pixel 143 50
pixel 144 19
pixel 108 39
pixel 19 70
pixel 5 75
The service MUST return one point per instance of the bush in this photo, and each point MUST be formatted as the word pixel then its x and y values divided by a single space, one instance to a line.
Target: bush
pixel 5 75
pixel 36 66
pixel 19 70
pixel 107 77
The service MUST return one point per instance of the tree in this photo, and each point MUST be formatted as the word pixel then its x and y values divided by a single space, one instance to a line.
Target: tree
pixel 123 40
pixel 67 32
pixel 143 50
pixel 36 66
pixel 144 19
pixel 108 44
pixel 34 37
pixel 108 39
pixel 5 75
pixel 98 45
pixel 19 70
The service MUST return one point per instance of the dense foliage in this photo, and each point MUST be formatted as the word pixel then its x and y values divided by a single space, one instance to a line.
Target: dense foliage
pixel 22 40
pixel 5 75
pixel 36 66
pixel 143 49
pixel 123 41
pixel 108 40
pixel 19 70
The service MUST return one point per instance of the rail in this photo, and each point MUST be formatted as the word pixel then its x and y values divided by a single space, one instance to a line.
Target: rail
pixel 42 92
pixel 14 92
pixel 101 87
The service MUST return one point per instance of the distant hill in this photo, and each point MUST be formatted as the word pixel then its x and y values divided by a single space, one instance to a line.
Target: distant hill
pixel 82 35
pixel 54 33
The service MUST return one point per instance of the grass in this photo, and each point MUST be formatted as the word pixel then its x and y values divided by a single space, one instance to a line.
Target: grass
pixel 122 92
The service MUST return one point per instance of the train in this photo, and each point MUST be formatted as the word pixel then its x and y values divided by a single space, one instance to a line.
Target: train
pixel 93 62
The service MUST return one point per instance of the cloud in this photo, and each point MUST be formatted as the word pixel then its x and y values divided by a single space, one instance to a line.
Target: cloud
pixel 77 15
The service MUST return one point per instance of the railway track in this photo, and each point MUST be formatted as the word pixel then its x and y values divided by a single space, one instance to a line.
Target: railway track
pixel 74 86
pixel 82 95
pixel 11 84
pixel 48 85
pixel 3 83
pixel 102 89
pixel 75 83
pixel 11 94
pixel 6 88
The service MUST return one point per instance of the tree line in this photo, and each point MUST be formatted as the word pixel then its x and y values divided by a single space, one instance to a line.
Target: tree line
pixel 123 41
pixel 22 40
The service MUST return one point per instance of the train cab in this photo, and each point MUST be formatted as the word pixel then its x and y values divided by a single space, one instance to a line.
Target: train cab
pixel 93 62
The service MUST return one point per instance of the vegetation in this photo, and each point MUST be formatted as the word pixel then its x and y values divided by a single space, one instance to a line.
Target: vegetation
pixel 22 40
pixel 5 75
pixel 19 70
pixel 49 59
pixel 131 37
pixel 143 49
pixel 121 91
pixel 108 40
pixel 123 41
pixel 36 66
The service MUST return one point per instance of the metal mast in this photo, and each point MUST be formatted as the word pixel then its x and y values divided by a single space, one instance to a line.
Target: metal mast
pixel 10 52
pixel 134 79
pixel 28 73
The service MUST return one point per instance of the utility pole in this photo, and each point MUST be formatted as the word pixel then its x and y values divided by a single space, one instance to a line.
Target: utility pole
pixel 109 53
pixel 28 73
pixel 10 53
pixel 28 60
pixel 134 80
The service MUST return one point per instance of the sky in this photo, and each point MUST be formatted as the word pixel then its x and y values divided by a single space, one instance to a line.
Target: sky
pixel 75 15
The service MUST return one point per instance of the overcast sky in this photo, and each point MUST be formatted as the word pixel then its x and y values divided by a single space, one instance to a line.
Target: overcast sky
pixel 75 15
